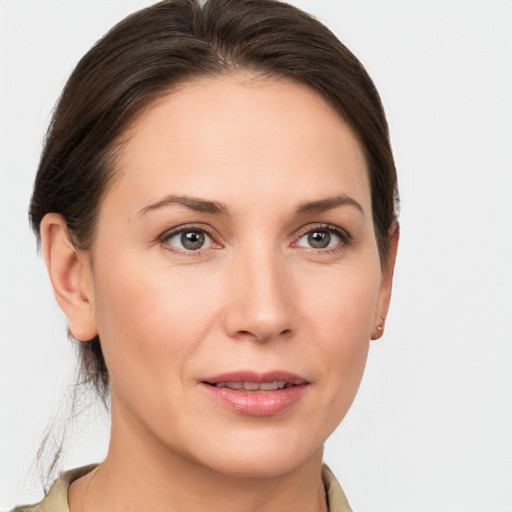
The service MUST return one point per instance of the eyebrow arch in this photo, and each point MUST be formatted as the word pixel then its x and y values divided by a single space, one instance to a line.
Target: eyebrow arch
pixel 194 203
pixel 328 203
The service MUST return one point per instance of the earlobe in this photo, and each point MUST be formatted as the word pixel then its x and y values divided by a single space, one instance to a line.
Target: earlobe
pixel 386 284
pixel 70 275
pixel 378 331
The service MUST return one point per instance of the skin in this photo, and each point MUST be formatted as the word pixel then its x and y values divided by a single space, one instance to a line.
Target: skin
pixel 257 296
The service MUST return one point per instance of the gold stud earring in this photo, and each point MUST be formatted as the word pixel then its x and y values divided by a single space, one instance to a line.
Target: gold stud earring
pixel 380 328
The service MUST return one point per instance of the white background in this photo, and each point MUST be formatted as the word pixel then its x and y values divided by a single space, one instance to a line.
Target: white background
pixel 431 429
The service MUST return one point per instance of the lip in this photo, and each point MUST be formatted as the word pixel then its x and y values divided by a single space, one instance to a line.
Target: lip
pixel 256 403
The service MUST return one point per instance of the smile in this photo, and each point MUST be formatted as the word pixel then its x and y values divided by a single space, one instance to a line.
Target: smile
pixel 256 394
pixel 254 386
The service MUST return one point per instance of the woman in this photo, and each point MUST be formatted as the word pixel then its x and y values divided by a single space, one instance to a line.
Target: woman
pixel 216 209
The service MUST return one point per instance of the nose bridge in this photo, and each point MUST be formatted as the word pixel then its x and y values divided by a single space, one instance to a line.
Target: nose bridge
pixel 261 304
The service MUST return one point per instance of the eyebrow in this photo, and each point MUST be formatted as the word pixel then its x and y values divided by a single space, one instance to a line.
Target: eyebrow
pixel 327 204
pixel 194 203
pixel 217 208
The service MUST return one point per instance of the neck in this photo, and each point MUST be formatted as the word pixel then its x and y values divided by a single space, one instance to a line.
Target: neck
pixel 141 474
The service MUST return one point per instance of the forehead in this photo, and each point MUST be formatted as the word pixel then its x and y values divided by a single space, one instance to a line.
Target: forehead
pixel 233 137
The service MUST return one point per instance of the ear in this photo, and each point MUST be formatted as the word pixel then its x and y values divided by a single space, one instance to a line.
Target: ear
pixel 70 274
pixel 386 285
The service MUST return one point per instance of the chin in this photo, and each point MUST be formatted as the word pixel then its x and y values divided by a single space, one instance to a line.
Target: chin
pixel 261 456
pixel 260 466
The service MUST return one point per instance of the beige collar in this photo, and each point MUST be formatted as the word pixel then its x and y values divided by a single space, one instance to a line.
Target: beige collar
pixel 57 499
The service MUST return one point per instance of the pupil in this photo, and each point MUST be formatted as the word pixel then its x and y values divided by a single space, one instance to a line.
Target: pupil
pixel 192 240
pixel 319 239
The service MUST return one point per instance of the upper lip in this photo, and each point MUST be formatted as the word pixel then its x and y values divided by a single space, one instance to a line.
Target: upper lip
pixel 256 377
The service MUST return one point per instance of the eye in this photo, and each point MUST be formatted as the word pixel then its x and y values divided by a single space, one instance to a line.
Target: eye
pixel 323 238
pixel 188 240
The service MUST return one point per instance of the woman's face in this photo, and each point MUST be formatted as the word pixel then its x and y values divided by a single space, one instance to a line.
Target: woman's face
pixel 235 255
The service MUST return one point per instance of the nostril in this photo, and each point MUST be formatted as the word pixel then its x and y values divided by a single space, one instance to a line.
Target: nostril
pixel 263 336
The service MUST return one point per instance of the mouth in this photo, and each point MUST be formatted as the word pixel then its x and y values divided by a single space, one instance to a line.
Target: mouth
pixel 256 394
pixel 254 386
pixel 255 381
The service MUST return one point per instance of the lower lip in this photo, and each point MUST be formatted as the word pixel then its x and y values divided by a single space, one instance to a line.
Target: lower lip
pixel 256 403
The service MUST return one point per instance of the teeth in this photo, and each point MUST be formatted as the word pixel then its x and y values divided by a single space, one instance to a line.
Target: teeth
pixel 267 386
pixel 235 385
pixel 253 386
pixel 277 384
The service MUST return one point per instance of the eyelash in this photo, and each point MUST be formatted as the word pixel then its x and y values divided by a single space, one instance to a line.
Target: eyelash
pixel 344 237
pixel 168 235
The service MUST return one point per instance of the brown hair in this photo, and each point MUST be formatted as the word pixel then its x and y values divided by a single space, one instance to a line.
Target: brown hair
pixel 149 53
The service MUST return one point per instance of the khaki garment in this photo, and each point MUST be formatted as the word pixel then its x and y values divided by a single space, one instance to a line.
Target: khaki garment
pixel 57 498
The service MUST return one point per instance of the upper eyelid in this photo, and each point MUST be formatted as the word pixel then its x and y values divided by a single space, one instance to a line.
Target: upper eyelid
pixel 190 227
pixel 322 225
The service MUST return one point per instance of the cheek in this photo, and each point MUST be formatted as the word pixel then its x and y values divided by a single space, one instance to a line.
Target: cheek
pixel 340 313
pixel 149 318
pixel 342 301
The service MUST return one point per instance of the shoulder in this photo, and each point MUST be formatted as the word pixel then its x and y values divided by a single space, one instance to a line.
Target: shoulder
pixel 336 499
pixel 57 498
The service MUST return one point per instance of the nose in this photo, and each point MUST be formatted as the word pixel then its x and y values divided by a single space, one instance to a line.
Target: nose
pixel 260 306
